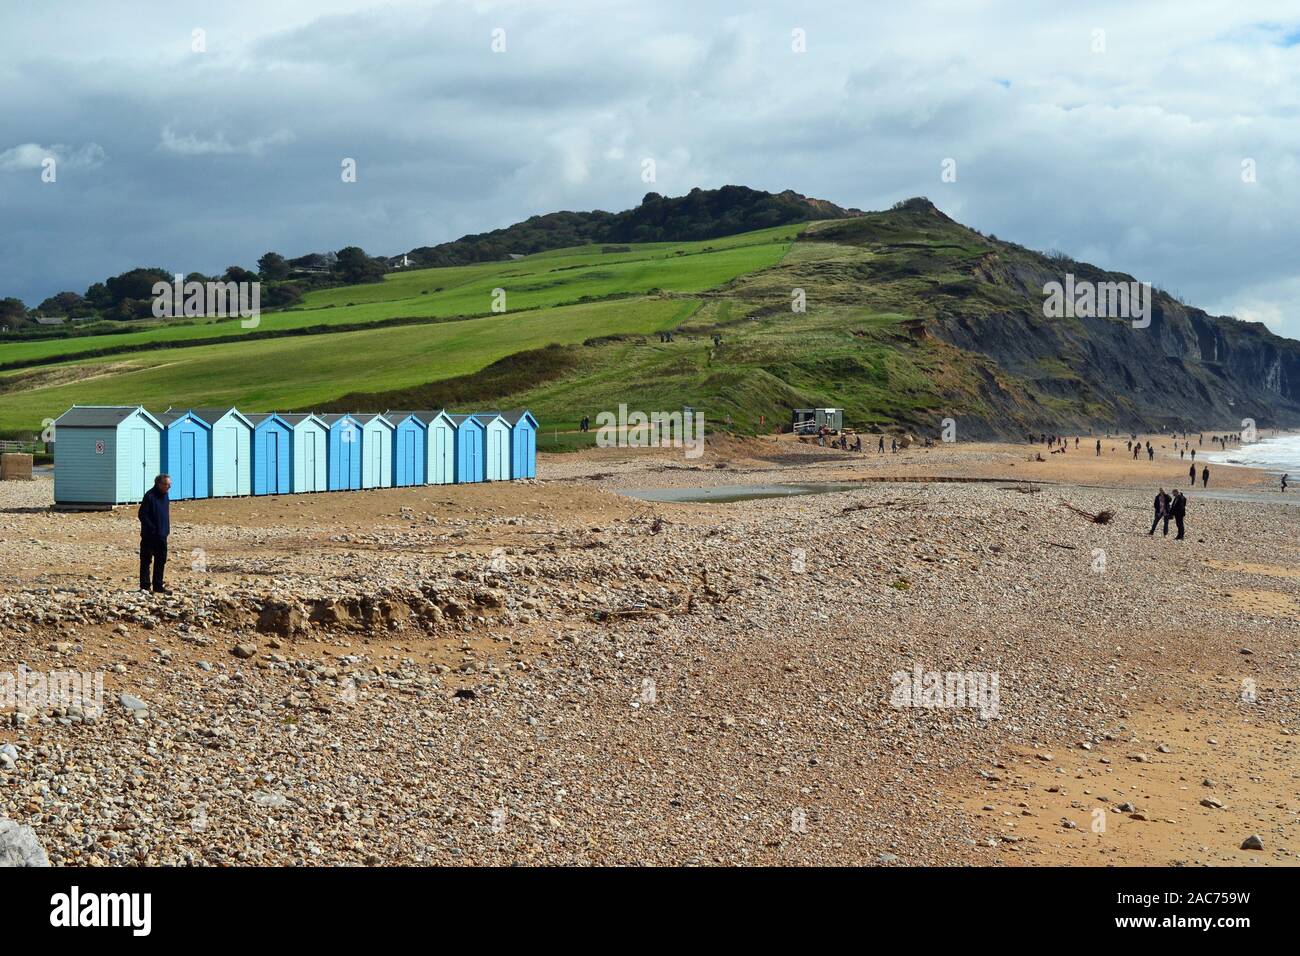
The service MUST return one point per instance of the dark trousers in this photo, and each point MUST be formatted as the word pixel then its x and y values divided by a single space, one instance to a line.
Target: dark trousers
pixel 152 551
pixel 1157 521
pixel 1178 520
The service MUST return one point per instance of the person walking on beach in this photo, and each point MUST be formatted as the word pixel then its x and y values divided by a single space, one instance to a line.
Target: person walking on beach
pixel 1177 510
pixel 882 444
pixel 1205 476
pixel 1162 511
pixel 1284 478
pixel 155 526
pixel 1151 452
pixel 1191 472
pixel 1098 447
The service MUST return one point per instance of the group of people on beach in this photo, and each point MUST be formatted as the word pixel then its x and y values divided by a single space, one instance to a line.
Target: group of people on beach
pixel 1170 507
pixel 842 442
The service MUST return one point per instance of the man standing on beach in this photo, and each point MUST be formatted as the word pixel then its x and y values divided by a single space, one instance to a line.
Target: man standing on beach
pixel 1099 447
pixel 1205 476
pixel 1192 474
pixel 1177 510
pixel 155 525
pixel 1162 511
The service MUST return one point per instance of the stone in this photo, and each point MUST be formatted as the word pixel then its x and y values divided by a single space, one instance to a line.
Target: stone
pixel 1212 803
pixel 1252 842
pixel 244 651
pixel 134 704
pixel 19 846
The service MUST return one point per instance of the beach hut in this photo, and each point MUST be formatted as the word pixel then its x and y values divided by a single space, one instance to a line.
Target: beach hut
pixel 272 455
pixel 231 453
pixel 376 451
pixel 440 443
pixel 523 443
pixel 410 431
pixel 344 452
pixel 469 448
pixel 496 446
pixel 310 441
pixel 105 454
pixel 186 445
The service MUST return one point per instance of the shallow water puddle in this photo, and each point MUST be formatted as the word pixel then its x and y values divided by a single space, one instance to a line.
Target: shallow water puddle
pixel 724 494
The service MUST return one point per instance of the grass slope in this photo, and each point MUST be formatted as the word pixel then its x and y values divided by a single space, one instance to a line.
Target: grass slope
pixel 304 372
pixel 558 277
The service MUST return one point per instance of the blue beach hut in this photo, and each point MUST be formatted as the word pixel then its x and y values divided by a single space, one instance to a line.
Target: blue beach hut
pixel 230 455
pixel 410 430
pixel 310 452
pixel 376 451
pixel 496 446
pixel 186 447
pixel 469 448
pixel 440 443
pixel 272 455
pixel 105 454
pixel 523 443
pixel 344 452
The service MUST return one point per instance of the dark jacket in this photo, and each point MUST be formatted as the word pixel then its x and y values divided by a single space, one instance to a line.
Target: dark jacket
pixel 1162 504
pixel 1179 507
pixel 155 516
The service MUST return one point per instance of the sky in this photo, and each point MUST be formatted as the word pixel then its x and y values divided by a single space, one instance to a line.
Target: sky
pixel 1159 139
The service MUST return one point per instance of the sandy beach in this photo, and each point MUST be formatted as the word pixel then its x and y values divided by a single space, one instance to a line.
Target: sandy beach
pixel 555 672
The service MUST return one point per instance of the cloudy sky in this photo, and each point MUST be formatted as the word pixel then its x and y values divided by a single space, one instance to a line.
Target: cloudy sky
pixel 1123 134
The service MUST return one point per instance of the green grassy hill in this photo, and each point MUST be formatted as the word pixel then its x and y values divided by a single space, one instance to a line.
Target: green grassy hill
pixel 910 318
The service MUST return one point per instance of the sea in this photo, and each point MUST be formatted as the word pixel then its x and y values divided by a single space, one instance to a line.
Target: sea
pixel 1280 455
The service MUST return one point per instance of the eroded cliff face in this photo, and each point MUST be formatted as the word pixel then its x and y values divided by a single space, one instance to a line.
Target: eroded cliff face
pixel 1186 369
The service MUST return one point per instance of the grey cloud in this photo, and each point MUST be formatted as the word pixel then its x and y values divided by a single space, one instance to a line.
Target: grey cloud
pixel 1131 158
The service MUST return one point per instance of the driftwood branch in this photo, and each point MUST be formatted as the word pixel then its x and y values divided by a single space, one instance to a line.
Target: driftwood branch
pixel 1101 517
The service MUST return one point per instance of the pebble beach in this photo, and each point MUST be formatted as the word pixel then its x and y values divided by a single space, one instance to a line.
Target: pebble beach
pixel 554 672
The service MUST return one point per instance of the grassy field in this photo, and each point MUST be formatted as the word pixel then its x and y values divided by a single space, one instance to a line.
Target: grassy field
pixel 559 277
pixel 302 372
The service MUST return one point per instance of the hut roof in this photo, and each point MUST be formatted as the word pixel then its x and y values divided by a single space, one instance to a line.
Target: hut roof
pixel 99 416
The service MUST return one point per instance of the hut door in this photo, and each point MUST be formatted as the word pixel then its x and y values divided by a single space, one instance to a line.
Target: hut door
pixel 442 446
pixel 309 461
pixel 139 479
pixel 187 465
pixel 272 462
pixel 377 462
pixel 410 460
